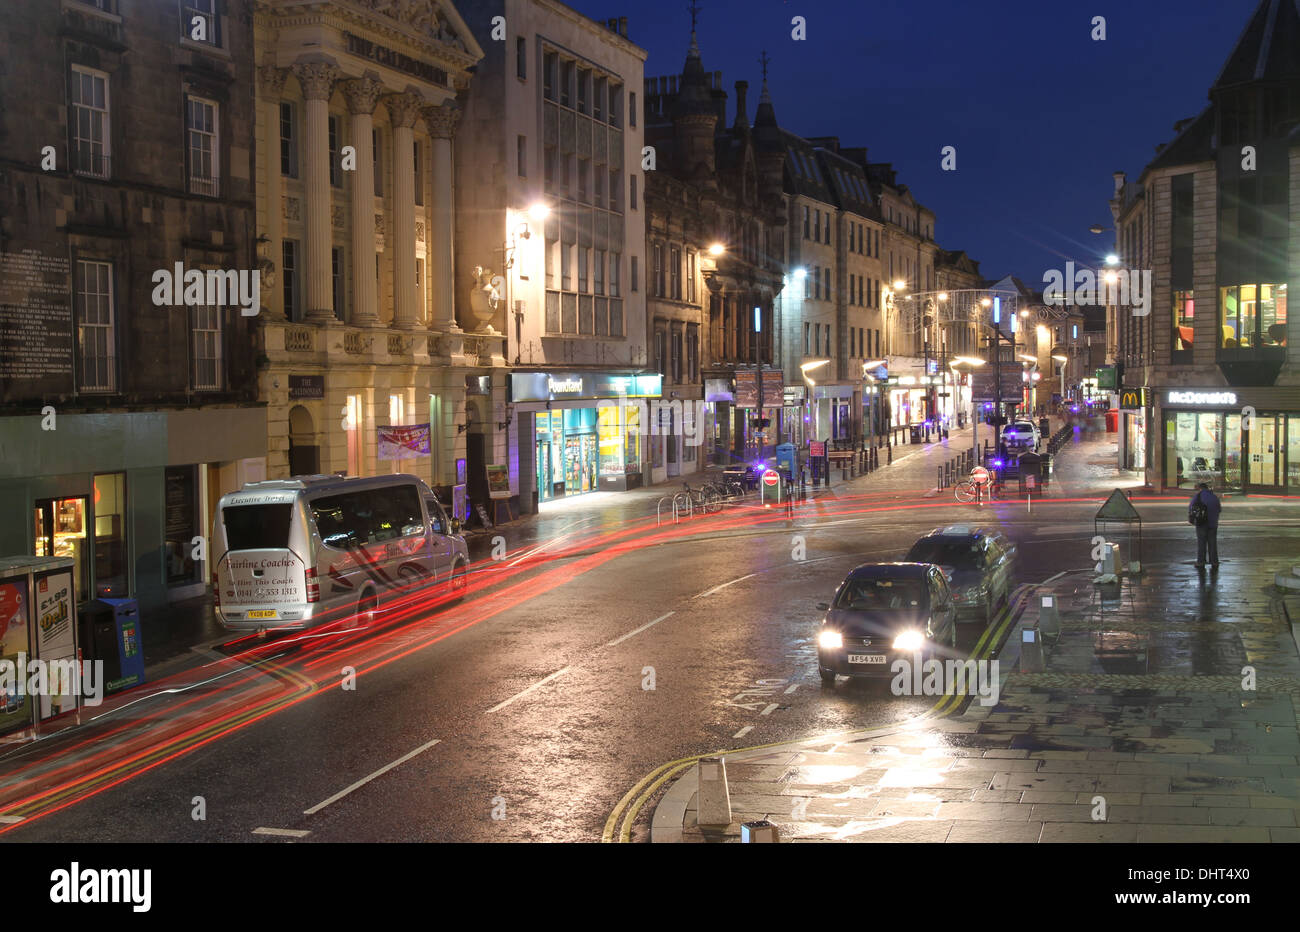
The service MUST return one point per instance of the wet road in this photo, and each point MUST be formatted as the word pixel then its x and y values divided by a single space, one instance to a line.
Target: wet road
pixel 600 665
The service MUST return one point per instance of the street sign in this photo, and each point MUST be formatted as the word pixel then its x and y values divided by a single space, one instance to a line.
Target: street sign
pixel 771 477
pixel 979 475
pixel 984 382
pixel 817 448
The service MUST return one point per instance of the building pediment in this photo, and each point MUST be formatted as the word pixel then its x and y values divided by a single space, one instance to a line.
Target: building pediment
pixel 400 35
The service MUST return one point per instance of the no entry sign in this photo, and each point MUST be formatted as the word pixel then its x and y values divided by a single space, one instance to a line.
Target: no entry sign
pixel 771 477
pixel 979 475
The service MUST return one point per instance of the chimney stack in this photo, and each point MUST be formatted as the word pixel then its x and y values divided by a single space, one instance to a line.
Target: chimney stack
pixel 742 108
pixel 622 26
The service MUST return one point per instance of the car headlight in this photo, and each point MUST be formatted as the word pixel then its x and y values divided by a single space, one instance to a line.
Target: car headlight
pixel 909 640
pixel 830 639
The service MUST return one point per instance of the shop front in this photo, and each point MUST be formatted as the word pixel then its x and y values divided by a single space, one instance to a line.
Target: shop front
pixel 1236 440
pixel 583 432
pixel 1133 418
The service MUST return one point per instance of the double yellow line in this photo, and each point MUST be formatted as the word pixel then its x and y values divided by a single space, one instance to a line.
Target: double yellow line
pixel 627 810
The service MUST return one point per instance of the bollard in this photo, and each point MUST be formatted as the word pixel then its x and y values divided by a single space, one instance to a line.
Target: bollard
pixel 1031 652
pixel 939 482
pixel 1049 616
pixel 714 801
pixel 759 831
pixel 891 456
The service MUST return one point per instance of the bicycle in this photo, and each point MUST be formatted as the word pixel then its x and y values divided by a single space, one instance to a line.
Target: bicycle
pixel 704 499
pixel 968 490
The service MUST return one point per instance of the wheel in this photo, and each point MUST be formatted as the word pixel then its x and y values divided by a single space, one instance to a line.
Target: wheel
pixel 712 501
pixel 367 609
pixel 459 581
pixel 681 502
pixel 828 676
pixel 965 491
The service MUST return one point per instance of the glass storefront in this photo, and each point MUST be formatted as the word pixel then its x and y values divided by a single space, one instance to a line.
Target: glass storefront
pixel 577 446
pixel 1214 447
pixel 60 531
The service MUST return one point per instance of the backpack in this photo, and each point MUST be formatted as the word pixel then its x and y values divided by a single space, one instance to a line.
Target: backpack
pixel 1198 514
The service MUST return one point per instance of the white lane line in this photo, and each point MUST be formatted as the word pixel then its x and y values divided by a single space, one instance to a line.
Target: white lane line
pixel 768 710
pixel 11 819
pixel 620 640
pixel 364 780
pixel 792 689
pixel 281 832
pixel 744 731
pixel 723 586
pixel 538 685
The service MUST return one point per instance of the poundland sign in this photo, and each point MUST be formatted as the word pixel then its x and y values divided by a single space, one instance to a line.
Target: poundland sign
pixel 1202 399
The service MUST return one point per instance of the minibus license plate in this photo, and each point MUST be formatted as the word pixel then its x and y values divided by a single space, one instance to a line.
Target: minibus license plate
pixel 266 614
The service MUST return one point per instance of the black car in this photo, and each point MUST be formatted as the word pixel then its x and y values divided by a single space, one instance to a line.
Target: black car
pixel 979 563
pixel 883 612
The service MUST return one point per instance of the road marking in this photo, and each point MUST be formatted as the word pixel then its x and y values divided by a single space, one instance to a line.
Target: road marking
pixel 768 710
pixel 538 685
pixel 792 689
pixel 11 819
pixel 744 731
pixel 364 780
pixel 723 586
pixel 281 832
pixel 617 641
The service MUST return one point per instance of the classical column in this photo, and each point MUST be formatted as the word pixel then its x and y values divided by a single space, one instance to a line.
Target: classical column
pixel 271 88
pixel 362 94
pixel 441 122
pixel 403 110
pixel 317 80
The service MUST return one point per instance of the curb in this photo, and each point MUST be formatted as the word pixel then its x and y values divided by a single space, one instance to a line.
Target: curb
pixel 666 825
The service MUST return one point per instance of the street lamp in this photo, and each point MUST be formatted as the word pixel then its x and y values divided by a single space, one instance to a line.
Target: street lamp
pixel 538 211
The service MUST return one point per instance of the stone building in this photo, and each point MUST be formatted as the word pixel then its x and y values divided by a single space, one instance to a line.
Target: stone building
pixel 128 388
pixel 1210 383
pixel 366 369
pixel 834 310
pixel 551 235
pixel 715 240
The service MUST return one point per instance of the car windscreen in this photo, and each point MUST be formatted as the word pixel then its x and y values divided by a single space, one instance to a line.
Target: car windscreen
pixel 877 594
pixel 257 527
pixel 961 553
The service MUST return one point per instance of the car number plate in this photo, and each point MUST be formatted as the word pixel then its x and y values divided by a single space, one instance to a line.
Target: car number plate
pixel 866 658
pixel 262 614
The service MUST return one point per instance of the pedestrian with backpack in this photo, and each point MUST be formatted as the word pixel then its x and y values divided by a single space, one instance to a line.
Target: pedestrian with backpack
pixel 1203 514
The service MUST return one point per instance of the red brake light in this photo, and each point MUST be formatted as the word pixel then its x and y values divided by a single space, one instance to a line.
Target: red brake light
pixel 313 587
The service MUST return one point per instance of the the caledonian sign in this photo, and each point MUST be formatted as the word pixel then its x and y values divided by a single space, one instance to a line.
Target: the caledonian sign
pixel 390 58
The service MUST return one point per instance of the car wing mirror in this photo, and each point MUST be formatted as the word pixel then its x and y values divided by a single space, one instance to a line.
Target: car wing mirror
pixel 456 525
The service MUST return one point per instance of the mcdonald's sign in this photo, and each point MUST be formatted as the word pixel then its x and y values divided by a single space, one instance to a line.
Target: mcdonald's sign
pixel 1132 399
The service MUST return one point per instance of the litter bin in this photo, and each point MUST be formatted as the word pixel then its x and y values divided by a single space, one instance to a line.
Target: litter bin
pixel 1030 469
pixel 916 433
pixel 1045 429
pixel 110 633
pixel 1112 421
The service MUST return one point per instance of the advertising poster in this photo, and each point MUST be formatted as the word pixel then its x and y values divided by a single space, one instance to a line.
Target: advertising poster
pixel 55 639
pixel 14 711
pixel 498 478
pixel 403 443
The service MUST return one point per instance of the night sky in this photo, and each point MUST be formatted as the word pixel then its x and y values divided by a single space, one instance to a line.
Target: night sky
pixel 1040 114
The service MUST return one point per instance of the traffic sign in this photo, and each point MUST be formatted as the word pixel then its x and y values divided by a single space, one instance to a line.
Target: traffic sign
pixel 979 475
pixel 771 477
